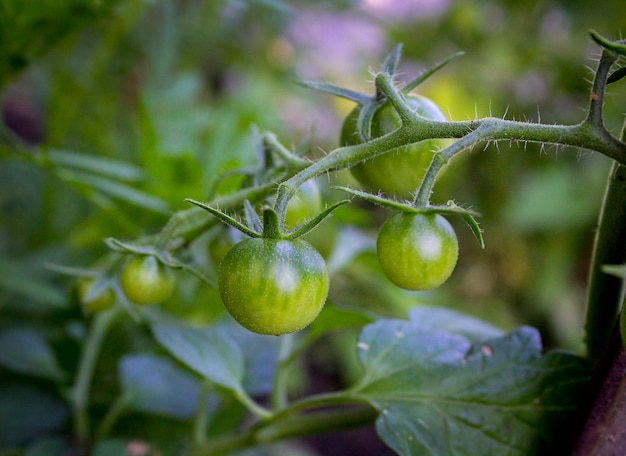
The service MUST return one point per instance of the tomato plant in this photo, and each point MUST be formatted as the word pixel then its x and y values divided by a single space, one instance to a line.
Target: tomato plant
pixel 273 286
pixel 355 349
pixel 399 171
pixel 417 251
pixel 146 281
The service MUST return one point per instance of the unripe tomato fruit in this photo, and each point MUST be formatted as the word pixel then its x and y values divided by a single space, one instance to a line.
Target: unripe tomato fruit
pixel 272 286
pixel 146 281
pixel 417 251
pixel 94 302
pixel 400 170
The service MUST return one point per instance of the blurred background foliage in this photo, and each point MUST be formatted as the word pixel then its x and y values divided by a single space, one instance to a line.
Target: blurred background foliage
pixel 114 111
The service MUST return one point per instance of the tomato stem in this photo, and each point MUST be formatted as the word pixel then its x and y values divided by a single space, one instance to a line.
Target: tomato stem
pixel 79 396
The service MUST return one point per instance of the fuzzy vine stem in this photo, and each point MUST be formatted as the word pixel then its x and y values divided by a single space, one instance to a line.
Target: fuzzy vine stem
pixel 588 134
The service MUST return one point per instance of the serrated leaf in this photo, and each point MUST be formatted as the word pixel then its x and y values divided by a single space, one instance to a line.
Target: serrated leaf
pixel 450 321
pixel 24 350
pixel 210 352
pixel 438 394
pixel 155 385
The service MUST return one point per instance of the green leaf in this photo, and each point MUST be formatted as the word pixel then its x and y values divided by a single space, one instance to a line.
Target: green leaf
pixel 438 394
pixel 210 352
pixel 615 270
pixel 450 321
pixel 18 278
pixel 90 182
pixel 26 413
pixel 100 165
pixel 260 357
pixel 155 385
pixel 24 350
pixel 333 318
pixel 616 75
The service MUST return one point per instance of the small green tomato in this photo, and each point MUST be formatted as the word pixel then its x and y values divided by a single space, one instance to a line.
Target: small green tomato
pixel 400 170
pixel 146 281
pixel 273 286
pixel 417 251
pixel 92 299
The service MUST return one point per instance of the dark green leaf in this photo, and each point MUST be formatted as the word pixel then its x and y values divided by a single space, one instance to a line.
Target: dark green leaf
pixel 260 353
pixel 26 413
pixel 453 322
pixel 100 165
pixel 211 352
pixel 155 385
pixel 440 395
pixel 616 75
pixel 115 189
pixel 18 279
pixel 24 350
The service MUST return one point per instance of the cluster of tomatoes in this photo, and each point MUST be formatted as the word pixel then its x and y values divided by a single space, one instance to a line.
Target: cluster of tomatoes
pixel 278 286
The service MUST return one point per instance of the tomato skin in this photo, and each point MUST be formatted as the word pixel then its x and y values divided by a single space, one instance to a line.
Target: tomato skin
pixel 400 170
pixel 146 281
pixel 104 300
pixel 273 286
pixel 417 251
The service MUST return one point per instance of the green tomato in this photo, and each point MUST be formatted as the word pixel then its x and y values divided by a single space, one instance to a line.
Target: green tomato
pixel 305 204
pixel 417 251
pixel 146 281
pixel 272 286
pixel 93 296
pixel 400 170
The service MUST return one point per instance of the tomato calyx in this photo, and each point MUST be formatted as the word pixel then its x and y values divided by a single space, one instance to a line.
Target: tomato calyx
pixel 270 226
pixel 450 208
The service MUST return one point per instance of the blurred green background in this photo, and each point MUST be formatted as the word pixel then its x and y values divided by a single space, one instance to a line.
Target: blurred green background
pixel 115 111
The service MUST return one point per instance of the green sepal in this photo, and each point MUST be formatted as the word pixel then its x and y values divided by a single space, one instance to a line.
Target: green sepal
pixel 390 64
pixel 348 94
pixel 252 218
pixel 617 270
pixel 366 114
pixel 451 208
pixel 225 218
pixel 616 75
pixel 124 247
pixel 309 225
pixel 615 46
pixel 428 73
